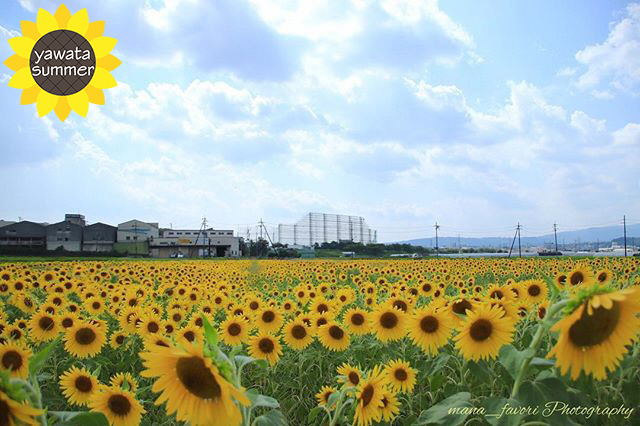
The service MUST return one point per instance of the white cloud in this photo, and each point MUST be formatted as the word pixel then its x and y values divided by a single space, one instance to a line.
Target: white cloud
pixel 585 124
pixel 628 135
pixel 615 61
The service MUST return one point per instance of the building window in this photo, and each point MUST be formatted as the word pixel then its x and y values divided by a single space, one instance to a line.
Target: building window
pixel 128 238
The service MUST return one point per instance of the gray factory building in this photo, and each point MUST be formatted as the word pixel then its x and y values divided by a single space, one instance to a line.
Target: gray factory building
pixel 99 237
pixel 66 235
pixel 23 234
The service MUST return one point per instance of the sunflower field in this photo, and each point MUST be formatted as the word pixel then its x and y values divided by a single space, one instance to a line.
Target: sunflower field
pixel 534 341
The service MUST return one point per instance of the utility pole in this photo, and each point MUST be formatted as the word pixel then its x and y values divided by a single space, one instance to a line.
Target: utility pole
pixel 624 224
pixel 437 249
pixel 555 235
pixel 517 234
pixel 261 225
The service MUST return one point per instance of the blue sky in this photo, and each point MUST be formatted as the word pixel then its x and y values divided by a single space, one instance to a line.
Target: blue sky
pixel 474 114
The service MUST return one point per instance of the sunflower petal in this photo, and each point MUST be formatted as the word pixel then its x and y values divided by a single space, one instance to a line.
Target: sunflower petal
pixel 30 95
pixel 102 46
pixel 46 103
pixel 62 15
pixel 79 102
pixel 102 79
pixel 16 63
pixel 79 22
pixel 22 79
pixel 46 22
pixel 29 29
pixel 22 46
pixel 96 96
pixel 108 62
pixel 63 109
pixel 96 29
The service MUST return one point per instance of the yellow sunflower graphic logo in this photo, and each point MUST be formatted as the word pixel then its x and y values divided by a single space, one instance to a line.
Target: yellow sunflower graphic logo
pixel 62 62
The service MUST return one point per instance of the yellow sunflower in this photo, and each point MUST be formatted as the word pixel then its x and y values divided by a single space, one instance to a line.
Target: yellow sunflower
pixel 43 326
pixel 333 336
pixel 369 398
pixel 594 336
pixel 324 394
pixel 84 340
pixel 234 331
pixel 297 334
pixel 429 329
pixel 15 359
pixel 78 385
pixel 390 405
pixel 91 72
pixel 400 376
pixel 124 381
pixel 192 386
pixel 120 407
pixel 484 331
pixel 357 321
pixel 388 323
pixel 352 375
pixel 15 412
pixel 265 346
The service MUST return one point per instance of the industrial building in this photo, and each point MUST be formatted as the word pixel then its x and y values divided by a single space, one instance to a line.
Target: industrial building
pixel 195 243
pixel 318 228
pixel 99 237
pixel 24 234
pixel 65 235
pixel 134 238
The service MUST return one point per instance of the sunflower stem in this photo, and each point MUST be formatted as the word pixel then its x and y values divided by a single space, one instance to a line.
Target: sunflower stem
pixel 535 343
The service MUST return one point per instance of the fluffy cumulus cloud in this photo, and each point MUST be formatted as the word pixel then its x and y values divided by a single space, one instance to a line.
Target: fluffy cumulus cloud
pixel 614 63
pixel 240 110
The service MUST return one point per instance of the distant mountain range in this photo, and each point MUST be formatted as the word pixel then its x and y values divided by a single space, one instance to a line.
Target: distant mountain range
pixel 604 235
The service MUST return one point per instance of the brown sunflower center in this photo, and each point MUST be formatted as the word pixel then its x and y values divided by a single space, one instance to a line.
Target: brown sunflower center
pixel 253 306
pixel 354 378
pixel 400 375
pixel 321 321
pixel 12 360
pixel 336 332
pixel 429 324
pixel 389 320
pixel 533 290
pixel 367 395
pixel 298 332
pixel 461 306
pixel 266 345
pixel 46 323
pixel 576 278
pixel 426 288
pixel 400 304
pixel 67 322
pixel 322 308
pixel 5 412
pixel 497 294
pixel 197 378
pixel 85 336
pixel 593 329
pixel 153 327
pixel 96 305
pixel 83 384
pixel 119 405
pixel 268 316
pixel 481 330
pixel 602 277
pixel 190 336
pixel 357 319
pixel 234 329
pixel 120 339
